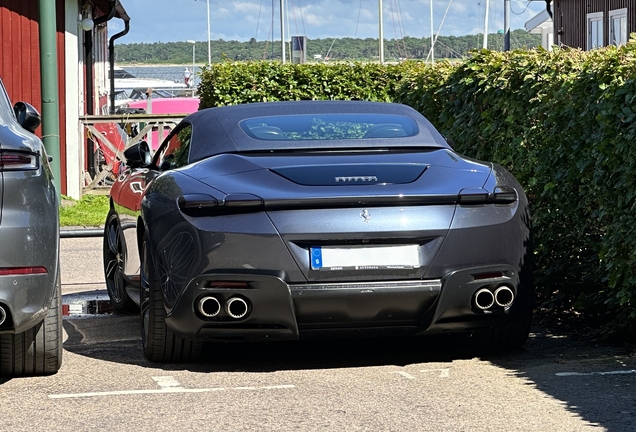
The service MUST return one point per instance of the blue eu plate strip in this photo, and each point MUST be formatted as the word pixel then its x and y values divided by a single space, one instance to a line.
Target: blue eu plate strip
pixel 316 257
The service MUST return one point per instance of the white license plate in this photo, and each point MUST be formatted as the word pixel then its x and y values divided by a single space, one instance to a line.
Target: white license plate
pixel 364 257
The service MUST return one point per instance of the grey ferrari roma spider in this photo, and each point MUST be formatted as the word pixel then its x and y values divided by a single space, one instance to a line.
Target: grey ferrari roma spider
pixel 284 220
pixel 30 298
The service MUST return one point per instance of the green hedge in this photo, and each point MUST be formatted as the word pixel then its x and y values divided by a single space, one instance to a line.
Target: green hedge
pixel 235 82
pixel 563 122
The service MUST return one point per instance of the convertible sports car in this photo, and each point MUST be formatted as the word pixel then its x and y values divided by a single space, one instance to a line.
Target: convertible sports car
pixel 284 220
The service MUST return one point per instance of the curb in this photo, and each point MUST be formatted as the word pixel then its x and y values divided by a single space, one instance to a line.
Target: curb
pixel 84 232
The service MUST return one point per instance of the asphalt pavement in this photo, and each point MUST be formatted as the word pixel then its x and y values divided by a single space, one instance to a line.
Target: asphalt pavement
pixel 555 383
pixel 81 263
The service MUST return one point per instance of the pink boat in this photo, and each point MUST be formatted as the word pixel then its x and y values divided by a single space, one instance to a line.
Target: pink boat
pixel 176 105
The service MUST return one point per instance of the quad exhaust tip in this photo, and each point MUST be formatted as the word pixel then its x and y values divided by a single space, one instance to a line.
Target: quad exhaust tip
pixel 484 299
pixel 209 306
pixel 3 315
pixel 236 307
pixel 504 296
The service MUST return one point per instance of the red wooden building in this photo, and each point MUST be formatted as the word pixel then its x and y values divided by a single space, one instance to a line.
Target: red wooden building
pixel 82 69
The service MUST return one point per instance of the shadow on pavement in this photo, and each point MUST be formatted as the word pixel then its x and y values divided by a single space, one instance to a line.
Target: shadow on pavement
pixel 90 337
pixel 574 372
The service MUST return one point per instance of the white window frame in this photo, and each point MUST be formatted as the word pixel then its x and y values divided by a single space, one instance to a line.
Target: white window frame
pixel 624 36
pixel 592 20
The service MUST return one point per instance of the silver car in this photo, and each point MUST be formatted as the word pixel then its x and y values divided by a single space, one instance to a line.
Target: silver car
pixel 30 298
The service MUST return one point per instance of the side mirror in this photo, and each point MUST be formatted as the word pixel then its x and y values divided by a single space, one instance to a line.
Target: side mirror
pixel 28 117
pixel 138 155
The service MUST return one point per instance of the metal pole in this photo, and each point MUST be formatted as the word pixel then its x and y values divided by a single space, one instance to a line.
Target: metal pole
pixel 485 45
pixel 506 25
pixel 381 31
pixel 209 49
pixel 282 30
pixel 48 80
pixel 432 35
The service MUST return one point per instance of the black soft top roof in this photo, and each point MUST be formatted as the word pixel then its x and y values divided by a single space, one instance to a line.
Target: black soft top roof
pixel 217 130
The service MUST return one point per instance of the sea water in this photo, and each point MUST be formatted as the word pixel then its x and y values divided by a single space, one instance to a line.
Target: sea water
pixel 172 73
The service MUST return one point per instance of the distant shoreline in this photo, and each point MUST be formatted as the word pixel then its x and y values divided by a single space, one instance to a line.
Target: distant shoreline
pixel 124 65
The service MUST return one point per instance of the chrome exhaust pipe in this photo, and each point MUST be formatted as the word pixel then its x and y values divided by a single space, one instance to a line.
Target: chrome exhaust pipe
pixel 236 307
pixel 484 299
pixel 3 315
pixel 504 296
pixel 209 306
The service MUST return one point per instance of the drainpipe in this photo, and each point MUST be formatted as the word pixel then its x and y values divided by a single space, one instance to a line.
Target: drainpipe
pixel 88 43
pixel 90 90
pixel 50 89
pixel 111 59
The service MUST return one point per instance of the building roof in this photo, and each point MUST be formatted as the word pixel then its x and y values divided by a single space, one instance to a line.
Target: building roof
pixel 539 21
pixel 104 6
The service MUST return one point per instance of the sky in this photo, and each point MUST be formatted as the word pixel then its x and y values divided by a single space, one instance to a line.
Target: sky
pixel 181 20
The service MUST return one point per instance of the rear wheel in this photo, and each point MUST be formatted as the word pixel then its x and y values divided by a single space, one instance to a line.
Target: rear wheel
pixel 159 343
pixel 38 350
pixel 114 260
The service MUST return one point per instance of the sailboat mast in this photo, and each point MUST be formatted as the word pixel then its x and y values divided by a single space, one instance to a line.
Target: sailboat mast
pixel 209 50
pixel 485 46
pixel 282 30
pixel 381 30
pixel 432 35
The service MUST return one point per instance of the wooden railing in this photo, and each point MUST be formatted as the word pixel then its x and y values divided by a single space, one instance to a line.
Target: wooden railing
pixel 112 134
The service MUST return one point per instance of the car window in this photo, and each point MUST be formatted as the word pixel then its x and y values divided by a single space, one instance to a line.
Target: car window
pixel 175 150
pixel 329 127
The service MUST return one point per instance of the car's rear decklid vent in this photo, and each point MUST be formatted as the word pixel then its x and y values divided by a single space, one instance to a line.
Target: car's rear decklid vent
pixel 351 174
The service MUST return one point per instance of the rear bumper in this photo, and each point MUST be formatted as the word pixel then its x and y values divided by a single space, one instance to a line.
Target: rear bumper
pixel 29 237
pixel 280 311
pixel 26 298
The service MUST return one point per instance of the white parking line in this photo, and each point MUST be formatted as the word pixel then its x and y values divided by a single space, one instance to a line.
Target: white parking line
pixel 621 372
pixel 404 374
pixel 166 382
pixel 443 373
pixel 164 390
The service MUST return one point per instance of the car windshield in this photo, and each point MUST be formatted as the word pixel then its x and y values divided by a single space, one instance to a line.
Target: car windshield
pixel 329 127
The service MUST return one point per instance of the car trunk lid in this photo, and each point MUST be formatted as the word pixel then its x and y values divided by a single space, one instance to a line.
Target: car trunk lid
pixel 362 220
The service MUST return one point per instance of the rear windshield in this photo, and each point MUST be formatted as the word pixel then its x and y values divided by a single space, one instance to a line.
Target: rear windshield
pixel 329 127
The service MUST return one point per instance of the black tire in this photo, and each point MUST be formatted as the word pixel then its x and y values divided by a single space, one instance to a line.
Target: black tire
pixel 38 350
pixel 114 259
pixel 159 343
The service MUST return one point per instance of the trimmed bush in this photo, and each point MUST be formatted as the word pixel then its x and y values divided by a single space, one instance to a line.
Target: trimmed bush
pixel 563 123
pixel 232 83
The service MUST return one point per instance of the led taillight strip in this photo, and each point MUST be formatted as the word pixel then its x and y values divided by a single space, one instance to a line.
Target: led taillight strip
pixel 19 271
pixel 10 161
